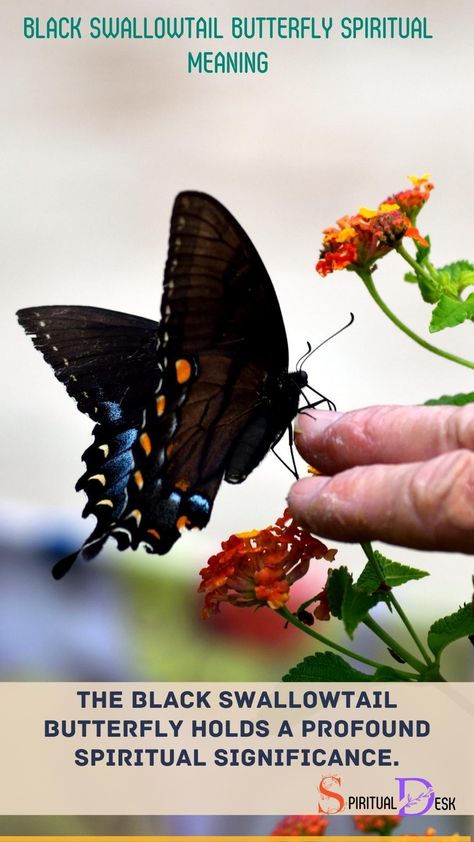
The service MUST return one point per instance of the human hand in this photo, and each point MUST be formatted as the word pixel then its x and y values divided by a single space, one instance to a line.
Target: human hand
pixel 399 474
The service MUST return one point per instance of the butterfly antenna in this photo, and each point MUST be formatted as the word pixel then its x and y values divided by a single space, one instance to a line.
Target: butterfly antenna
pixel 311 351
pixel 303 357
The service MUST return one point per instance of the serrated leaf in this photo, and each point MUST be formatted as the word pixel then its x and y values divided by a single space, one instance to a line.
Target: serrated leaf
pixel 422 252
pixel 450 312
pixel 355 605
pixel 325 666
pixel 429 287
pixel 454 400
pixel 388 674
pixel 394 574
pixel 455 277
pixel 335 589
pixel 451 628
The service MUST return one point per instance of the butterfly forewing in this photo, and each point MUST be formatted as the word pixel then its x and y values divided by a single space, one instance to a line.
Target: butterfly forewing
pixel 217 293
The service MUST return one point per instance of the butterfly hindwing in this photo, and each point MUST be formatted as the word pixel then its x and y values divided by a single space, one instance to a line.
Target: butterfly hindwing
pixel 107 361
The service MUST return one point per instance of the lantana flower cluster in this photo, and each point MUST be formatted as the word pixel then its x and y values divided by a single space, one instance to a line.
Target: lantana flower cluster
pixel 360 240
pixel 380 825
pixel 316 826
pixel 301 826
pixel 258 568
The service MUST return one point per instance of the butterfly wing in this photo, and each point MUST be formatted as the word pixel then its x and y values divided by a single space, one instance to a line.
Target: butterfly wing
pixel 222 350
pixel 103 357
pixel 107 361
pixel 180 404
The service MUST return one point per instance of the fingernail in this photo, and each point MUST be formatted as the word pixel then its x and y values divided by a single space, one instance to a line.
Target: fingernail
pixel 311 421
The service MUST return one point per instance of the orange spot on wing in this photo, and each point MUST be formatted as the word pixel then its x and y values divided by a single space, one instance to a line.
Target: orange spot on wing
pixel 145 442
pixel 169 449
pixel 138 477
pixel 183 484
pixel 154 533
pixel 183 371
pixel 182 522
pixel 160 405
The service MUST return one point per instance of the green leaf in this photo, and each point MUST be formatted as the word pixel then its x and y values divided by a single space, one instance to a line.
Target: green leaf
pixel 454 400
pixel 325 666
pixel 394 574
pixel 429 287
pixel 422 252
pixel 448 629
pixel 455 277
pixel 355 606
pixel 388 674
pixel 347 602
pixel 450 312
pixel 335 589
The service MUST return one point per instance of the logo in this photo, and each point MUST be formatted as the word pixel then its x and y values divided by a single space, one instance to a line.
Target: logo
pixel 328 795
pixel 416 796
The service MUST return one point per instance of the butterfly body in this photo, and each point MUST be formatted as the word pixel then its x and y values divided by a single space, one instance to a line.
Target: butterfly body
pixel 181 404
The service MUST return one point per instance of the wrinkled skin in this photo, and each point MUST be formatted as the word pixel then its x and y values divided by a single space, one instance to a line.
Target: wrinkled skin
pixel 403 475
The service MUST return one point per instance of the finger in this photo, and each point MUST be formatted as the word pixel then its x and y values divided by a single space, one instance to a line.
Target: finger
pixel 428 505
pixel 334 441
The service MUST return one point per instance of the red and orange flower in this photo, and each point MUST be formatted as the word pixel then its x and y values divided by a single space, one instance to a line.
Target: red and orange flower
pixel 360 240
pixel 381 825
pixel 301 826
pixel 259 567
pixel 411 201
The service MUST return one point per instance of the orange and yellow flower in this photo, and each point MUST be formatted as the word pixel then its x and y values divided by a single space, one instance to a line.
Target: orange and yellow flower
pixel 259 567
pixel 360 240
pixel 301 826
pixel 411 201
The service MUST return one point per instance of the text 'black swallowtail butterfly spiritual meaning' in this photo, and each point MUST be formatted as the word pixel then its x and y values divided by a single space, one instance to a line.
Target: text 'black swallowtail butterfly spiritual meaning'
pixel 181 404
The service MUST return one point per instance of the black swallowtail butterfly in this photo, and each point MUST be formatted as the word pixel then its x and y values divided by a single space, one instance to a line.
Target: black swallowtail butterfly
pixel 181 404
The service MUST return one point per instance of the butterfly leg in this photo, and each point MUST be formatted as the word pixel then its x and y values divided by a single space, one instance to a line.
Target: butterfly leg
pixel 330 404
pixel 293 470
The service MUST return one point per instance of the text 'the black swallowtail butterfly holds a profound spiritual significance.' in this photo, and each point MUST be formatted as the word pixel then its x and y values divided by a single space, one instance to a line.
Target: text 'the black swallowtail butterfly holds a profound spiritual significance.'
pixel 181 404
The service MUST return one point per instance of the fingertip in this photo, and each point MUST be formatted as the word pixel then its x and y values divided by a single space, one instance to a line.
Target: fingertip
pixel 302 494
pixel 310 426
pixel 310 420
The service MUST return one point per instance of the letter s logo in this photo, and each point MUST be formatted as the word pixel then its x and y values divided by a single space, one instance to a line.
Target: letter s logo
pixel 326 791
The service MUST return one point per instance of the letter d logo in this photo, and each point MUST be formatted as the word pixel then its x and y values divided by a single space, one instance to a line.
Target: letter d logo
pixel 325 789
pixel 415 797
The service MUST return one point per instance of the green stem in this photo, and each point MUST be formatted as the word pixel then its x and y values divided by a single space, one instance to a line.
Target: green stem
pixel 368 550
pixel 419 270
pixel 291 618
pixel 367 279
pixel 393 644
pixel 398 608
